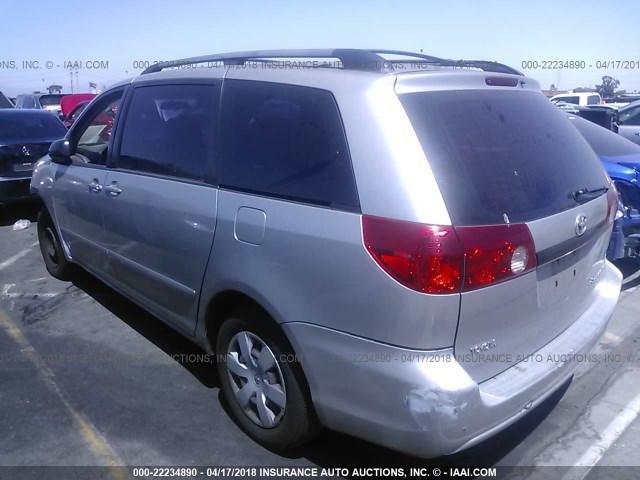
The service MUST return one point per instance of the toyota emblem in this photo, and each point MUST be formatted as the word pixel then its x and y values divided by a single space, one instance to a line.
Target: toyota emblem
pixel 581 225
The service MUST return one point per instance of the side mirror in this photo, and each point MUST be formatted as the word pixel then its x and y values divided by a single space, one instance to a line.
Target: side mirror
pixel 60 152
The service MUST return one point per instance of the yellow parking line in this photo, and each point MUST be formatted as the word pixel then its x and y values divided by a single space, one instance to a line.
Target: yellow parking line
pixel 88 431
pixel 612 337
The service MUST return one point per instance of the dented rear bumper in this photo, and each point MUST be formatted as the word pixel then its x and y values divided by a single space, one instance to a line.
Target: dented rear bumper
pixel 423 402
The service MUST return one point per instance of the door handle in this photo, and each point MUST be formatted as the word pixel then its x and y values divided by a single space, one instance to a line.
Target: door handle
pixel 94 186
pixel 113 189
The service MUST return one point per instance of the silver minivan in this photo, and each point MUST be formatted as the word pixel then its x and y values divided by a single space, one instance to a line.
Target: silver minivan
pixel 403 248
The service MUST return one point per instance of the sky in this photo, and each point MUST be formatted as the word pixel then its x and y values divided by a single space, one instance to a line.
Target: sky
pixel 117 38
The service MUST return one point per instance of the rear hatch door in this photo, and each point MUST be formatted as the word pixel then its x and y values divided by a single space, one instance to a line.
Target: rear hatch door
pixel 506 156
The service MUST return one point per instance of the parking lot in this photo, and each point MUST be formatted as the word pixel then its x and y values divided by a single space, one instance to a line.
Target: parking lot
pixel 88 378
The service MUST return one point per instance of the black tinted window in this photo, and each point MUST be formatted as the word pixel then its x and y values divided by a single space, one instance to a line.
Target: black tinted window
pixel 502 155
pixel 630 116
pixel 169 130
pixel 603 141
pixel 285 141
pixel 593 100
pixel 16 127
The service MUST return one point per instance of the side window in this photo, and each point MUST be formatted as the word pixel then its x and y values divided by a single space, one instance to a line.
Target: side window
pixel 593 100
pixel 77 111
pixel 169 130
pixel 285 141
pixel 94 135
pixel 630 117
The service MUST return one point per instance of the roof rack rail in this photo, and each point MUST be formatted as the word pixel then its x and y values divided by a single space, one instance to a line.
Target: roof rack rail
pixel 485 65
pixel 351 59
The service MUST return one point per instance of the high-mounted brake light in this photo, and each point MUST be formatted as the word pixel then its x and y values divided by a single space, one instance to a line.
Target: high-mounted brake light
pixel 445 259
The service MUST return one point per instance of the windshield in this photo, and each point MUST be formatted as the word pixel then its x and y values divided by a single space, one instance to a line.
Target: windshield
pixel 501 156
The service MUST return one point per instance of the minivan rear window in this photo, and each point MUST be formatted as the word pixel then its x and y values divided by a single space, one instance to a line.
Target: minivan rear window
pixel 501 156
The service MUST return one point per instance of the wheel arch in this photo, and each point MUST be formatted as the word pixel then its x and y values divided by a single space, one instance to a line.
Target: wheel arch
pixel 220 305
pixel 223 303
pixel 46 210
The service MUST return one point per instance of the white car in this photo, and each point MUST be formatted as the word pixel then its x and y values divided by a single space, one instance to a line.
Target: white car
pixel 578 98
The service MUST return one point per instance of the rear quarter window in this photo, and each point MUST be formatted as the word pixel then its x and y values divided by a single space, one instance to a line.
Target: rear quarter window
pixel 285 141
pixel 501 156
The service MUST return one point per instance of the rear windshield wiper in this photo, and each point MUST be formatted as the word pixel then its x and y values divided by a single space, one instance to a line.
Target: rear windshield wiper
pixel 584 194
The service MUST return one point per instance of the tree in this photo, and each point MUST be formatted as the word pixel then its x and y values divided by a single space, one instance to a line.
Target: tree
pixel 608 87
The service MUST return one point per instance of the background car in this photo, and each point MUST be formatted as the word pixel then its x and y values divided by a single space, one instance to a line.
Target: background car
pixel 603 115
pixel 40 101
pixel 621 159
pixel 629 122
pixel 25 136
pixel 578 98
pixel 5 102
pixel 70 118
pixel 622 100
pixel 69 104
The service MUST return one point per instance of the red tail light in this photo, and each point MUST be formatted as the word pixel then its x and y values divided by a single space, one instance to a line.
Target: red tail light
pixel 495 253
pixel 445 259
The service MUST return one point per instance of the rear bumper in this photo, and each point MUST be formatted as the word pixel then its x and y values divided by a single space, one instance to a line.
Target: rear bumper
pixel 15 189
pixel 423 402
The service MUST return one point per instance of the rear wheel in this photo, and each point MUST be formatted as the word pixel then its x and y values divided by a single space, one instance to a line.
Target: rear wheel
pixel 266 394
pixel 51 248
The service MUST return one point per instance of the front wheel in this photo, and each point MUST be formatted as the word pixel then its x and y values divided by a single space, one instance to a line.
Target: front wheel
pixel 266 394
pixel 51 248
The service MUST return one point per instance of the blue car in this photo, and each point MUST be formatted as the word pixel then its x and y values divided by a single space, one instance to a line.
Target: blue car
pixel 621 160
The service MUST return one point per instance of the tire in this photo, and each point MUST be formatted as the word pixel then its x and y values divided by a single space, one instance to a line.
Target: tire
pixel 51 248
pixel 273 390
